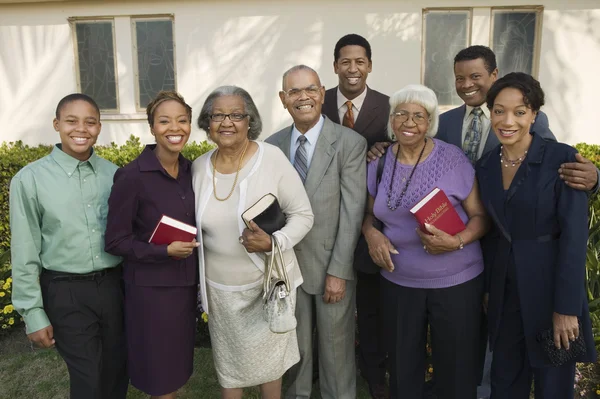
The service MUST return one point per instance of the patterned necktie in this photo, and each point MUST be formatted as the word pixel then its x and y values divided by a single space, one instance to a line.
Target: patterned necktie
pixel 300 162
pixel 473 136
pixel 349 116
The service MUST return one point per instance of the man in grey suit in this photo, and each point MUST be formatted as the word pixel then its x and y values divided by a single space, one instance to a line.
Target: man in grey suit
pixel 355 105
pixel 330 160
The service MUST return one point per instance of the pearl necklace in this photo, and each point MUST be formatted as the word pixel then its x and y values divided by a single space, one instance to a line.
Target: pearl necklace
pixel 512 162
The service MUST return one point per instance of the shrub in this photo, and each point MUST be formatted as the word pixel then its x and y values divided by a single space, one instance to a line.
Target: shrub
pixel 13 157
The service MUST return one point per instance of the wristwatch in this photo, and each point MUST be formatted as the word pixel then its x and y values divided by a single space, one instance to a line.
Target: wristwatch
pixel 462 243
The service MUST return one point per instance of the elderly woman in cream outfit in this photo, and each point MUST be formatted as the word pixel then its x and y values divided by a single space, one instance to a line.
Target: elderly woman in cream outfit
pixel 227 181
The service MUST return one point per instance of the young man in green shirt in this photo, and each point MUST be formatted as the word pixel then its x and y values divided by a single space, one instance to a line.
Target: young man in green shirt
pixel 67 289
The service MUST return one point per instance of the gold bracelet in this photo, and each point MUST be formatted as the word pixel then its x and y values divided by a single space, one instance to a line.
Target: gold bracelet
pixel 462 243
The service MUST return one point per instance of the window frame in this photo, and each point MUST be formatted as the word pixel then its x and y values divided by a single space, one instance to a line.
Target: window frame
pixel 156 17
pixel 73 21
pixel 424 12
pixel 537 43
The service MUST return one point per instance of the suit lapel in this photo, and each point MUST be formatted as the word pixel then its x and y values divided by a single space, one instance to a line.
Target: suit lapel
pixel 286 142
pixel 330 106
pixel 456 127
pixel 367 112
pixel 491 142
pixel 321 159
pixel 529 169
pixel 491 178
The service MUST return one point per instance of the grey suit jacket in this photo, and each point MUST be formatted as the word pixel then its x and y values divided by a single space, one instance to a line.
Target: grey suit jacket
pixel 451 125
pixel 336 185
pixel 373 116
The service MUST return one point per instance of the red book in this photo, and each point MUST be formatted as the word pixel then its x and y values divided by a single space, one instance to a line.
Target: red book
pixel 168 230
pixel 437 210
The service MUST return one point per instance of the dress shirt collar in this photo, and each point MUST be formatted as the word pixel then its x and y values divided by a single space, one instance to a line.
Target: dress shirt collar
pixel 484 108
pixel 68 163
pixel 311 135
pixel 356 103
pixel 149 162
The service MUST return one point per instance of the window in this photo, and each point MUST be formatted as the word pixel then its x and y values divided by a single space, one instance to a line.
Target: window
pixel 154 58
pixel 514 40
pixel 513 34
pixel 145 55
pixel 445 33
pixel 96 62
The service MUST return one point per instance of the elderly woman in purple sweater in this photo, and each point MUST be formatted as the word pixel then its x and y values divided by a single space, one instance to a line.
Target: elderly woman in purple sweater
pixel 431 279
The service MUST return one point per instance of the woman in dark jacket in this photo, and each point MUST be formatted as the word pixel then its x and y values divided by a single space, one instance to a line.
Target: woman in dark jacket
pixel 160 280
pixel 536 277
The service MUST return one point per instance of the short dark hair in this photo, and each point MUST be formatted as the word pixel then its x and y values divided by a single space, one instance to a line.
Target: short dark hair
pixel 254 124
pixel 352 40
pixel 475 52
pixel 161 97
pixel 533 95
pixel 71 98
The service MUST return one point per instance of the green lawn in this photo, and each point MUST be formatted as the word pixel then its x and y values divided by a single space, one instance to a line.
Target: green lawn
pixel 41 374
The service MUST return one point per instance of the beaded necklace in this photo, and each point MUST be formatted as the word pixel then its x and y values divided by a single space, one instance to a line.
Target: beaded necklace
pixel 391 206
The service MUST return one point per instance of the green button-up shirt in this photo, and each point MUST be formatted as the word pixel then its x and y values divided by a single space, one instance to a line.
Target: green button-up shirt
pixel 58 208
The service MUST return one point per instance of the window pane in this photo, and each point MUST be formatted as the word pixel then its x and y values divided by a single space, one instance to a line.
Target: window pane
pixel 514 41
pixel 446 33
pixel 95 54
pixel 155 58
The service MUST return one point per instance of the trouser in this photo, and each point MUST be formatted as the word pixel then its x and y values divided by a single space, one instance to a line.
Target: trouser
pixel 335 338
pixel 86 313
pixel 453 314
pixel 511 370
pixel 371 348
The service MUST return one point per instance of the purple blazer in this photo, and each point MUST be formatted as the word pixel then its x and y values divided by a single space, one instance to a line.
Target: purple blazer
pixel 141 194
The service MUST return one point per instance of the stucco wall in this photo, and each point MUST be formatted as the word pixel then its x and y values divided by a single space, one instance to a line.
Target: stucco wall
pixel 250 43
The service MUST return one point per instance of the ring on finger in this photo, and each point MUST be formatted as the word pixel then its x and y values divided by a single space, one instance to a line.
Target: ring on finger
pixel 241 240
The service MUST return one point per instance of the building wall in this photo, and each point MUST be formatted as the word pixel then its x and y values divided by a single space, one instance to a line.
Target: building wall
pixel 251 43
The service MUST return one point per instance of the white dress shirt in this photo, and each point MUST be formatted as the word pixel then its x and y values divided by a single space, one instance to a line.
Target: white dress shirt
pixel 311 141
pixel 356 104
pixel 486 123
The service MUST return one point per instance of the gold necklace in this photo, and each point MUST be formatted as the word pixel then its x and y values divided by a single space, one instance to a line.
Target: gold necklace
pixel 214 179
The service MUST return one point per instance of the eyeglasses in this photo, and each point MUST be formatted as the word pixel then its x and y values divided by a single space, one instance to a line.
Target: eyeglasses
pixel 235 117
pixel 402 117
pixel 311 91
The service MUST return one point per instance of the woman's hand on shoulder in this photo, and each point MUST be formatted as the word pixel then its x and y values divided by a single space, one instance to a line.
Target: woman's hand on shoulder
pixel 438 242
pixel 181 249
pixel 380 248
pixel 255 239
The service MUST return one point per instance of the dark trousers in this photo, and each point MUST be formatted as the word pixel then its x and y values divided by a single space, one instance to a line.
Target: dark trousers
pixel 453 314
pixel 511 371
pixel 371 349
pixel 87 318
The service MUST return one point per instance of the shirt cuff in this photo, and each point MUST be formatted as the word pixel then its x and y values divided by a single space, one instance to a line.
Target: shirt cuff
pixel 35 320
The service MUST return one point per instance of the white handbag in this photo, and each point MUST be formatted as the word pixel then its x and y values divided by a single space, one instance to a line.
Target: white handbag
pixel 278 302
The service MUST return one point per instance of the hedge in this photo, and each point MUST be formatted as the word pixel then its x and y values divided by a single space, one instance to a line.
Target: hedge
pixel 13 157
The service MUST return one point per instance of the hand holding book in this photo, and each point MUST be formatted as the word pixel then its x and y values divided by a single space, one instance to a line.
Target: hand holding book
pixel 181 249
pixel 255 239
pixel 437 241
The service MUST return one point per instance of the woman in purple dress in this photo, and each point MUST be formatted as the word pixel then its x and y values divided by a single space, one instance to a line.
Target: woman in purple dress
pixel 160 280
pixel 431 279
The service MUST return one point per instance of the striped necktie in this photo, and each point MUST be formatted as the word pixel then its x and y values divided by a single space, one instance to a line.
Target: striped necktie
pixel 300 162
pixel 348 116
pixel 473 136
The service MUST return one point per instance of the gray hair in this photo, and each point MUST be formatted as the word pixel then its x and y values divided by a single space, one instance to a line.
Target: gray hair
pixel 255 123
pixel 296 68
pixel 421 95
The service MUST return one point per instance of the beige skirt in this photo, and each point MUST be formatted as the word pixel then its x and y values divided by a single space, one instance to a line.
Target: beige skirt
pixel 245 351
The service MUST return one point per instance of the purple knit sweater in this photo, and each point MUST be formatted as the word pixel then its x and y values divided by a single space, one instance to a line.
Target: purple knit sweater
pixel 450 170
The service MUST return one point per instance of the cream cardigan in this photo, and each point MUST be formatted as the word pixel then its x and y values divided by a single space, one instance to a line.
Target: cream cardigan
pixel 272 173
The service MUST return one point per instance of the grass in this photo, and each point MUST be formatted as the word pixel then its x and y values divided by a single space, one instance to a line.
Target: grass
pixel 42 374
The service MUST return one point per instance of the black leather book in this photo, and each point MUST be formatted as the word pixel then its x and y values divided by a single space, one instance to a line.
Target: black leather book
pixel 266 213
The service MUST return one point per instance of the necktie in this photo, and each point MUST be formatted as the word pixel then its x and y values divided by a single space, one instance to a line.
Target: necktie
pixel 473 136
pixel 349 116
pixel 300 162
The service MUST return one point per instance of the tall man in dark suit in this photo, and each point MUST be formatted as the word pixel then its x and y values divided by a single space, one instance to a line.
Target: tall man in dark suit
pixel 330 160
pixel 366 111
